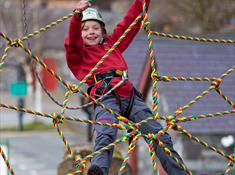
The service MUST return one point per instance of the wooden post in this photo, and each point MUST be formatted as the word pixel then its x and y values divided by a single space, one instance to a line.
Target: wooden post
pixel 144 83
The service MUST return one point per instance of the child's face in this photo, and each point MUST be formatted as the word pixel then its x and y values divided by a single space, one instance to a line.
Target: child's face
pixel 92 32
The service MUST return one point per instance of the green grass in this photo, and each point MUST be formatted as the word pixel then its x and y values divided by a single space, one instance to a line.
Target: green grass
pixel 35 125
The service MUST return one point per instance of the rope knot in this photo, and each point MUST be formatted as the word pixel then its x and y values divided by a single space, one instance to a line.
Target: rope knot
pixel 155 75
pixel 146 25
pixel 80 164
pixel 16 43
pixel 74 88
pixel 217 82
pixel 57 119
pixel 172 125
pixel 170 120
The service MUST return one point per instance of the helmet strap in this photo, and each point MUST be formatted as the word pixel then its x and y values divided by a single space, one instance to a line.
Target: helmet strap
pixel 101 41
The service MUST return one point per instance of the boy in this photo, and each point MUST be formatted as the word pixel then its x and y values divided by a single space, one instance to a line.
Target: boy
pixel 85 45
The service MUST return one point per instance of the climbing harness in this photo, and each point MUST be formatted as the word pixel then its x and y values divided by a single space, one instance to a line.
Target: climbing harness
pixel 105 79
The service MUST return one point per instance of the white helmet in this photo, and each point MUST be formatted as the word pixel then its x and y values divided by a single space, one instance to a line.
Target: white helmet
pixel 92 14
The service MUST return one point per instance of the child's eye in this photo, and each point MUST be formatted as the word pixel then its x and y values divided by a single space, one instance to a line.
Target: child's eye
pixel 96 28
pixel 85 29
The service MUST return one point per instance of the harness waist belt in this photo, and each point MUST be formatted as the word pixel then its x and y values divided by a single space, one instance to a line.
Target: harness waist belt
pixel 109 74
pixel 106 77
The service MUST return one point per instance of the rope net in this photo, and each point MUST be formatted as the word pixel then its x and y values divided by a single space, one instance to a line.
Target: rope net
pixel 172 121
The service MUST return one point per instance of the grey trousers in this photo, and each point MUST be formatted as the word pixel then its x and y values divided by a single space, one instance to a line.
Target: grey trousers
pixel 107 135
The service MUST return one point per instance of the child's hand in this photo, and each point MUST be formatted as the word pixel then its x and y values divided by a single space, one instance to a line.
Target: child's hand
pixel 83 5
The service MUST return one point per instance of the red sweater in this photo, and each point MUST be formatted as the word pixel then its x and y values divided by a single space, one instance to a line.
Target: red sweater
pixel 82 58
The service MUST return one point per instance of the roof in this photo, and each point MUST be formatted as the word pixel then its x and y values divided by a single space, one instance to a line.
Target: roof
pixel 190 59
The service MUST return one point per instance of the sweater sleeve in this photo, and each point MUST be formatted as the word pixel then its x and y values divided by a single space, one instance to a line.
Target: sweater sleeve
pixel 74 44
pixel 130 16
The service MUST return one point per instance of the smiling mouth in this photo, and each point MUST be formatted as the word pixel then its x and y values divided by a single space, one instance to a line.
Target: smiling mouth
pixel 92 38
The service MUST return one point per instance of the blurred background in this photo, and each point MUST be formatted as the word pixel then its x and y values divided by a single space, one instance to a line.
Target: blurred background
pixel 31 143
